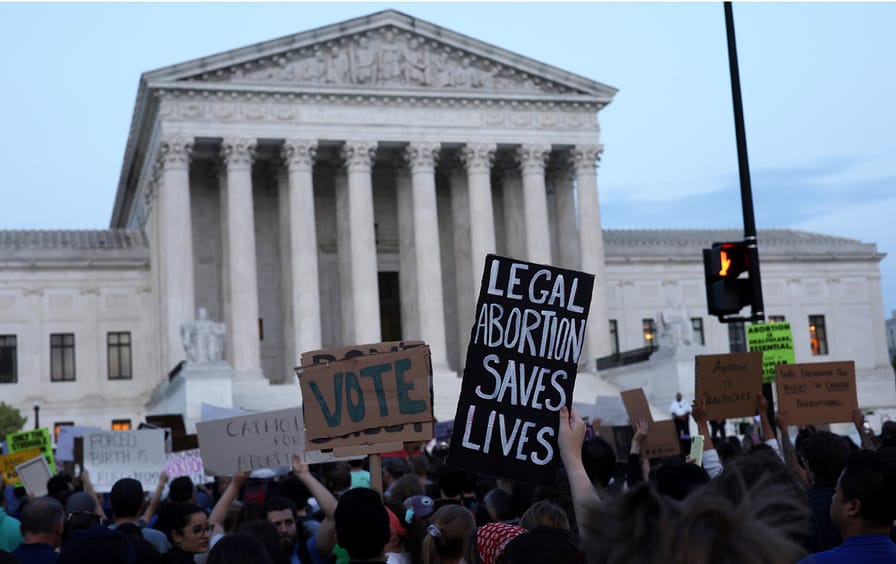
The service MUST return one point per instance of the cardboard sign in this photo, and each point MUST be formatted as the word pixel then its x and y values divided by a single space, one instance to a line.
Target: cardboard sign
pixel 636 405
pixel 112 455
pixel 729 382
pixel 332 354
pixel 39 438
pixel 186 463
pixel 821 392
pixel 662 440
pixel 34 474
pixel 611 411
pixel 368 440
pixel 8 463
pixel 775 342
pixel 525 344
pixel 266 439
pixel 65 442
pixel 366 392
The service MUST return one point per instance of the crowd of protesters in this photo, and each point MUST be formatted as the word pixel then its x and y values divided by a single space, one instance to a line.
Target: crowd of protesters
pixel 819 499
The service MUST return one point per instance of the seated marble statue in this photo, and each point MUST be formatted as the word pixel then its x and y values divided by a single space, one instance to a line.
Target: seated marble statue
pixel 203 339
pixel 674 327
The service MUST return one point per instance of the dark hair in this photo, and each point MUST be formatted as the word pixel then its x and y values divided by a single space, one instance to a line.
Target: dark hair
pixel 126 498
pixel 180 489
pixel 544 514
pixel 41 515
pixel 420 465
pixel 825 453
pixel 396 467
pixel 870 477
pixel 98 544
pixel 679 480
pixel 451 480
pixel 278 503
pixel 499 501
pixel 338 476
pixel 362 523
pixel 599 460
pixel 292 487
pixel 176 516
pixel 58 484
pixel 238 548
pixel 405 487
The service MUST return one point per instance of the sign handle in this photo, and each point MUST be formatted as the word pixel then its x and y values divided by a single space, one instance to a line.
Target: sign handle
pixel 376 473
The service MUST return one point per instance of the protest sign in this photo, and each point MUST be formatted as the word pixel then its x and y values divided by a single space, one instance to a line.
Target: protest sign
pixel 8 463
pixel 112 455
pixel 775 342
pixel 619 438
pixel 396 391
pixel 186 463
pixel 821 392
pixel 209 412
pixel 662 438
pixel 525 343
pixel 729 383
pixel 34 474
pixel 611 411
pixel 265 439
pixel 65 441
pixel 39 438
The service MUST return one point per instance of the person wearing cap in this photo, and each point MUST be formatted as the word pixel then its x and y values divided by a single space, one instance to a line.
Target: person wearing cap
pixel 492 539
pixel 396 552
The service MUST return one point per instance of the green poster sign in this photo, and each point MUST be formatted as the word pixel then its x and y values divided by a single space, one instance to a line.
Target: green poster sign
pixel 39 438
pixel 775 342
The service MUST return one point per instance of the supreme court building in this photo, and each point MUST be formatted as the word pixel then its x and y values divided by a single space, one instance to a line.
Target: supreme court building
pixel 343 186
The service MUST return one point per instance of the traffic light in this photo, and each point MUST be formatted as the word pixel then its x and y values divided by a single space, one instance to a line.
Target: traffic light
pixel 726 292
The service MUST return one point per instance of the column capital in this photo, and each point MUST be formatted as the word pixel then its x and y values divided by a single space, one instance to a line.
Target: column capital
pixel 175 151
pixel 586 157
pixel 299 154
pixel 358 155
pixel 478 157
pixel 238 152
pixel 422 156
pixel 532 158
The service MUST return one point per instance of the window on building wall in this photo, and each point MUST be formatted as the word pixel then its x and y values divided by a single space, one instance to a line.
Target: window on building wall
pixel 818 336
pixel 118 353
pixel 62 357
pixel 648 327
pixel 9 373
pixel 121 424
pixel 776 318
pixel 58 426
pixel 737 337
pixel 697 329
pixel 614 337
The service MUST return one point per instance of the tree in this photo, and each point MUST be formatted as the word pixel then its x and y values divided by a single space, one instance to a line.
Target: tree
pixel 10 420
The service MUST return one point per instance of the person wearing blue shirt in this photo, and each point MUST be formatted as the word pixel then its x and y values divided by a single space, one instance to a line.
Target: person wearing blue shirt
pixel 863 509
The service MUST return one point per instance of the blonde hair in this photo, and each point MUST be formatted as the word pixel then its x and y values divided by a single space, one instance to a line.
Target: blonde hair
pixel 448 534
pixel 544 514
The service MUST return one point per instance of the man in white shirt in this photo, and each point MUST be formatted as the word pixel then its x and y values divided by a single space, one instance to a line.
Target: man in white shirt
pixel 680 411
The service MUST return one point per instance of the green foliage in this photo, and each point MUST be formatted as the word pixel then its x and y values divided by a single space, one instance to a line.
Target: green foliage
pixel 10 420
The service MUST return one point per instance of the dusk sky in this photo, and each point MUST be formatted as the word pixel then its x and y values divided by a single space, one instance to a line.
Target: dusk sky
pixel 818 86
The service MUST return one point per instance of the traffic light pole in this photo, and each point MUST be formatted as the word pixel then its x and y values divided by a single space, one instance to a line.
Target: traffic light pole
pixel 746 191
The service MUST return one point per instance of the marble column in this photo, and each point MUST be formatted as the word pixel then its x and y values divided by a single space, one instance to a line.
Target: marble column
pixel 299 155
pixel 175 237
pixel 357 243
pixel 567 235
pixel 591 244
pixel 242 295
pixel 478 159
pixel 532 160
pixel 421 158
pixel 466 282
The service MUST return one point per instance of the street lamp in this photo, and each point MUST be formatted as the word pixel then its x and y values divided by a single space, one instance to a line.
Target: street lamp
pixel 36 416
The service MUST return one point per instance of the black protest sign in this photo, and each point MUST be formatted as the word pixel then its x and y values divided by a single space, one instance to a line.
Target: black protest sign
pixel 527 336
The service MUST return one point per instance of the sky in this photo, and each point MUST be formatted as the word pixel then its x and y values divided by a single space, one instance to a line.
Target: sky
pixel 818 86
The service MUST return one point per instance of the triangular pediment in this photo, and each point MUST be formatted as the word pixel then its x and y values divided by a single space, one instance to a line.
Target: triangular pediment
pixel 386 51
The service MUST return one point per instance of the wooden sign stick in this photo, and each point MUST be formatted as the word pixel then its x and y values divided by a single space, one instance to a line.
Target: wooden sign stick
pixel 376 473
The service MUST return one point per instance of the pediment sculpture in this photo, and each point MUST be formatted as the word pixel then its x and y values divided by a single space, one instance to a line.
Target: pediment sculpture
pixel 388 58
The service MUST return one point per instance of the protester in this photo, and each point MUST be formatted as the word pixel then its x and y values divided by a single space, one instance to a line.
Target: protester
pixel 10 535
pixel 487 543
pixel 126 500
pixel 187 528
pixel 544 514
pixel 362 525
pixel 447 535
pixel 863 510
pixel 42 520
pixel 97 544
pixel 239 548
pixel 825 455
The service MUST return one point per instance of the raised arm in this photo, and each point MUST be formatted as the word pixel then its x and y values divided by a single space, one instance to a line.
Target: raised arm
pixel 325 499
pixel 156 498
pixel 219 512
pixel 789 452
pixel 88 487
pixel 634 472
pixel 858 419
pixel 570 439
pixel 711 462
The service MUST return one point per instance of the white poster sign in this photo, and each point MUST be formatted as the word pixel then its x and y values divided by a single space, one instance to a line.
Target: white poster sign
pixel 112 455
pixel 65 441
